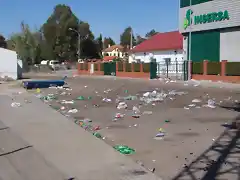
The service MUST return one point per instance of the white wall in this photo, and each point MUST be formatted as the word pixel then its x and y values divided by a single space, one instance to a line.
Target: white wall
pixel 8 64
pixel 158 55
pixel 229 45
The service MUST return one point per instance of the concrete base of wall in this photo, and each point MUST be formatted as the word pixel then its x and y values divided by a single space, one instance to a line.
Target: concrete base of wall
pixel 230 79
pixel 133 74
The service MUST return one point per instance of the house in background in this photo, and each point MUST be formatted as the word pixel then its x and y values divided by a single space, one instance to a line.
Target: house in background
pixel 115 51
pixel 162 47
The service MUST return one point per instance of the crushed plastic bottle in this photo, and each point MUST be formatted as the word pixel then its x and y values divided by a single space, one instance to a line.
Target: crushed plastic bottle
pixel 122 105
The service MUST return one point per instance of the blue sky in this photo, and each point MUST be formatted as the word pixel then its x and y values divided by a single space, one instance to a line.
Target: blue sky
pixel 108 17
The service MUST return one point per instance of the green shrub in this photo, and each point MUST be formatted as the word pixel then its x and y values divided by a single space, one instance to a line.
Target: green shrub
pixel 233 69
pixel 81 66
pixel 86 66
pixel 214 68
pixel 136 67
pixel 120 66
pixel 146 67
pixel 128 67
pixel 95 66
pixel 102 67
pixel 197 68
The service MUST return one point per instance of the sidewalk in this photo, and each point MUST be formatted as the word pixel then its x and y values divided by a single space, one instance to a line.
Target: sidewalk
pixel 68 147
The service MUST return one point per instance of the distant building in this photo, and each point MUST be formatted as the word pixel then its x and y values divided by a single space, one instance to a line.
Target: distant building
pixel 162 47
pixel 115 51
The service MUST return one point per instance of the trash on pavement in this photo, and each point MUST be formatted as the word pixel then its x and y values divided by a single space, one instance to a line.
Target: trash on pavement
pixel 147 112
pixel 118 116
pixel 98 135
pixel 131 98
pixel 67 102
pixel 16 104
pixel 124 149
pixel 211 104
pixel 73 111
pixel 122 105
pixel 106 100
pixel 80 98
pixel 196 101
pixel 136 110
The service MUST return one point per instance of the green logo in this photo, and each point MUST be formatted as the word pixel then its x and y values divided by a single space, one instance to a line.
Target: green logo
pixel 188 19
pixel 204 18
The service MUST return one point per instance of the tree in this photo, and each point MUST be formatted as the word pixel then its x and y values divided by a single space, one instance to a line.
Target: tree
pixel 151 33
pixel 108 41
pixel 25 44
pixel 3 43
pixel 125 38
pixel 61 32
pixel 99 42
pixel 139 39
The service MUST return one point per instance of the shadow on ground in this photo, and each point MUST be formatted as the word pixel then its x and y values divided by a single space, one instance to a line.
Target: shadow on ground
pixel 220 161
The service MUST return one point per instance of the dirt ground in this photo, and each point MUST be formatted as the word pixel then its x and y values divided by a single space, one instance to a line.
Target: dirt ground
pixel 185 149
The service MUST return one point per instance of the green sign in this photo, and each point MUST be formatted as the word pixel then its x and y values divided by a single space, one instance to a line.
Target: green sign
pixel 204 18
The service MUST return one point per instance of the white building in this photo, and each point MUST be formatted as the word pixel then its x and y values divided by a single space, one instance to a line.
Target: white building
pixel 10 67
pixel 164 48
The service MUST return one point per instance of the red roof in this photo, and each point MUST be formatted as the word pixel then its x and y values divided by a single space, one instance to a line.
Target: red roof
pixel 161 41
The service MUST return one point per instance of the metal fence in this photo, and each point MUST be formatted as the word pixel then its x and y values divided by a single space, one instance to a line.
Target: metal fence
pixel 173 70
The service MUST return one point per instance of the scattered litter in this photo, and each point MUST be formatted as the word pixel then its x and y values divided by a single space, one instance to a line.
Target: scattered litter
pixel 196 101
pixel 106 100
pixel 167 121
pixel 147 112
pixel 191 105
pixel 73 111
pixel 122 105
pixel 124 149
pixel 136 115
pixel 49 97
pixel 210 104
pixel 136 110
pixel 16 104
pixel 118 116
pixel 98 135
pixel 130 98
pixel 38 90
pixel 80 98
pixel 67 102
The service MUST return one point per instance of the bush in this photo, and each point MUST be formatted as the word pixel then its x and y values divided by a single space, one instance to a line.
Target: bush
pixel 146 67
pixel 136 67
pixel 214 68
pixel 128 67
pixel 197 68
pixel 120 66
pixel 95 66
pixel 81 66
pixel 233 69
pixel 102 67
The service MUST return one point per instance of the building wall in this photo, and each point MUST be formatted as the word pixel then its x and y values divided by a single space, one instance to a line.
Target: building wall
pixel 230 44
pixel 158 55
pixel 232 6
pixel 8 67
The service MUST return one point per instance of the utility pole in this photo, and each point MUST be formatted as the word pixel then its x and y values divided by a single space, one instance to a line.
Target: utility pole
pixel 79 42
pixel 190 45
pixel 131 36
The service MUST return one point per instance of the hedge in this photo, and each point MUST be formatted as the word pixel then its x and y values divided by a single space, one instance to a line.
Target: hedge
pixel 136 67
pixel 120 66
pixel 214 68
pixel 101 66
pixel 128 67
pixel 95 66
pixel 197 68
pixel 233 69
pixel 146 67
pixel 81 66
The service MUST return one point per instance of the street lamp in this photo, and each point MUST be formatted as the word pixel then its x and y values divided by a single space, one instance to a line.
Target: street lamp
pixel 190 45
pixel 79 41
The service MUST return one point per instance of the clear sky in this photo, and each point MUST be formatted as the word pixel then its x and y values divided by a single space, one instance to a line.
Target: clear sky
pixel 108 17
